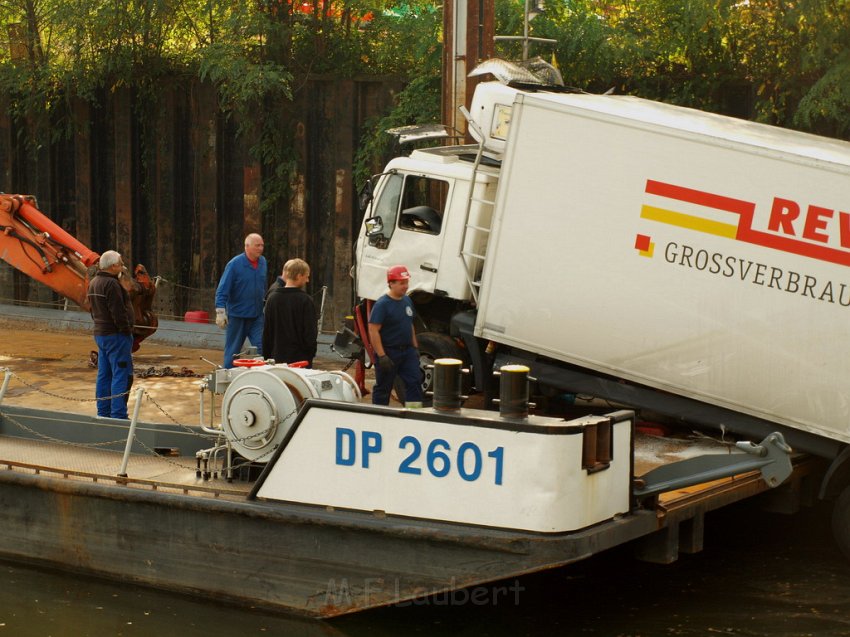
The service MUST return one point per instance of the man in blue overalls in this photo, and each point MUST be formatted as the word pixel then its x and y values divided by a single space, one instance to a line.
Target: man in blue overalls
pixel 239 299
pixel 394 341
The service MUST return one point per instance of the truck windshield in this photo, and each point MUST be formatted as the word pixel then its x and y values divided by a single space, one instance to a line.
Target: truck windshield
pixel 386 207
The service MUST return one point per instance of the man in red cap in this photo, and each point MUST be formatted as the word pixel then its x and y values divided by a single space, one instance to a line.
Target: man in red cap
pixel 394 341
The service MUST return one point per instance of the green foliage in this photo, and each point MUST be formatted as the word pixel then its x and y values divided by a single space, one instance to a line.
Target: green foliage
pixel 243 85
pixel 583 50
pixel 418 103
pixel 408 44
pixel 825 106
pixel 776 61
pixel 405 43
pixel 52 51
pixel 250 50
pixel 779 62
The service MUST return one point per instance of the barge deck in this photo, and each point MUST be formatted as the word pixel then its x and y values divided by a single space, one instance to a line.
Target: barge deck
pixel 329 533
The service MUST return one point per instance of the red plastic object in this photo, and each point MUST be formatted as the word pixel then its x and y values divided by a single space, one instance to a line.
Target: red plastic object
pixel 298 364
pixel 652 428
pixel 198 316
pixel 248 362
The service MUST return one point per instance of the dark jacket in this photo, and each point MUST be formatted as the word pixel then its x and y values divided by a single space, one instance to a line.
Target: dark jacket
pixel 290 329
pixel 111 309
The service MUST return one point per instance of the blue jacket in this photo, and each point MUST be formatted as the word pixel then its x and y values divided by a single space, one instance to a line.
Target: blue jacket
pixel 241 288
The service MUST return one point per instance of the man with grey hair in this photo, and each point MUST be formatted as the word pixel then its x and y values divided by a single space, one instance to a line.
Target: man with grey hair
pixel 239 299
pixel 113 317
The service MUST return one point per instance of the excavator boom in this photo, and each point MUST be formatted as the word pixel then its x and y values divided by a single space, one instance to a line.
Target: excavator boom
pixel 33 244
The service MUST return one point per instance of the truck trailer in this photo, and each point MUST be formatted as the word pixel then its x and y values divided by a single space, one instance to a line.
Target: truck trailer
pixel 683 263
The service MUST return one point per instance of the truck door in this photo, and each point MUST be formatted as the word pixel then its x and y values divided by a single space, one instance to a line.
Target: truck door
pixel 410 209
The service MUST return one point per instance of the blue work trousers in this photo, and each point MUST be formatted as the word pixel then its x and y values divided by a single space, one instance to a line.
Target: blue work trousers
pixel 406 362
pixel 238 329
pixel 114 374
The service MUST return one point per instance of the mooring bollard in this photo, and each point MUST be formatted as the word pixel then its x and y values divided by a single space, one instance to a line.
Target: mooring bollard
pixel 447 384
pixel 513 391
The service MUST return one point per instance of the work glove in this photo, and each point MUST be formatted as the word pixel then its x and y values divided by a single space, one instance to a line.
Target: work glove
pixel 221 317
pixel 385 364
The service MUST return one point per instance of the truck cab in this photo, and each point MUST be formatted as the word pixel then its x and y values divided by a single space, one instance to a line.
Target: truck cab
pixel 433 211
pixel 419 218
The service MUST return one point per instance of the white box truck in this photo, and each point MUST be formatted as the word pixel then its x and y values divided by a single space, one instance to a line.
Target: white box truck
pixel 664 258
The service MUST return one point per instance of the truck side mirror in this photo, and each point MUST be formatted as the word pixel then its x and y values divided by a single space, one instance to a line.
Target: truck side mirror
pixel 374 226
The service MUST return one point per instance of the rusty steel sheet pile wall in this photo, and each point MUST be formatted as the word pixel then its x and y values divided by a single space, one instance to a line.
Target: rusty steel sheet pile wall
pixel 172 185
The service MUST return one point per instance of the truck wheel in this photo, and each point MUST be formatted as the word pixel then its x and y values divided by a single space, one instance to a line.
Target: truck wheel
pixel 431 347
pixel 841 521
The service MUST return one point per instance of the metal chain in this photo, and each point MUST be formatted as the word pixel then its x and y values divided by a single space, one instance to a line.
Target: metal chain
pixel 53 395
pixel 187 428
pixel 191 430
pixel 160 456
pixel 239 465
pixel 185 287
pixel 120 441
pixel 184 372
pixel 233 465
pixel 150 398
pixel 265 431
pixel 208 436
pixel 257 459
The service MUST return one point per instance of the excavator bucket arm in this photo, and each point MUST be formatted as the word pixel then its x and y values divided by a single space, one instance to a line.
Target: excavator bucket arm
pixel 142 290
pixel 33 244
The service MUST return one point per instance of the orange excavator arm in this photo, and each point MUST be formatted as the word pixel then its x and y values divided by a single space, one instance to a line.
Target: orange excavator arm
pixel 33 244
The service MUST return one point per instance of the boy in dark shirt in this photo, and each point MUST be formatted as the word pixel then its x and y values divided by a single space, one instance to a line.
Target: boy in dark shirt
pixel 290 328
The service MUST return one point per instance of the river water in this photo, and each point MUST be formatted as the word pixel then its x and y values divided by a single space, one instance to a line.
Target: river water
pixel 760 575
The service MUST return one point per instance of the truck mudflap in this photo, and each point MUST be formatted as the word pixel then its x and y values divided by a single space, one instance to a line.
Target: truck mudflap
pixel 352 342
pixel 772 457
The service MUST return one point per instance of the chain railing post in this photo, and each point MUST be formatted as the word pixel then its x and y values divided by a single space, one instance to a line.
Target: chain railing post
pixel 122 472
pixel 6 378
